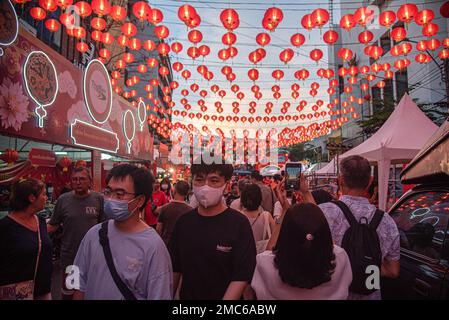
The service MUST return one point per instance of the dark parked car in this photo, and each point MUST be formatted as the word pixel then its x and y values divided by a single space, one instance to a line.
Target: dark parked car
pixel 422 217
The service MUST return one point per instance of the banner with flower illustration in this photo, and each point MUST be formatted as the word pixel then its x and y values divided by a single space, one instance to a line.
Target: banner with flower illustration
pixel 66 121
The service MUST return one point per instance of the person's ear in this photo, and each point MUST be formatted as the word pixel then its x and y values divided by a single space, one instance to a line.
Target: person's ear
pixel 32 198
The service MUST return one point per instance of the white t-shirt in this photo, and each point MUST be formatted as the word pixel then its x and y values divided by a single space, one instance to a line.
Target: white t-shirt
pixel 236 205
pixel 268 285
pixel 278 208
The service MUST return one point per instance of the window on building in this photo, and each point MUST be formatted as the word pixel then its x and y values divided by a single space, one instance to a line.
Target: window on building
pixel 388 91
pixel 385 43
pixel 401 83
pixel 341 82
pixel 375 92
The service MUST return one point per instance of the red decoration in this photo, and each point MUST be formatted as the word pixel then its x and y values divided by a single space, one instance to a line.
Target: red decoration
pixel 316 55
pixel 229 38
pixel 52 25
pixel 444 10
pixel 10 156
pixel 320 17
pixel 365 37
pixel 347 22
pixel 398 34
pixel 195 36
pixel 117 13
pixel 387 18
pixel 230 19
pixel 330 36
pixel 38 13
pixel 162 32
pixel 407 12
pixel 364 16
pixel 297 39
pixel 273 16
pixel 306 22
pixel 141 10
pixel 286 55
pixel 263 39
pixel 65 163
pixel 101 7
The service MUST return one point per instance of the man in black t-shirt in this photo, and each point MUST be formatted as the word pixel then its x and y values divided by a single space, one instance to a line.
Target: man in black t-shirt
pixel 212 246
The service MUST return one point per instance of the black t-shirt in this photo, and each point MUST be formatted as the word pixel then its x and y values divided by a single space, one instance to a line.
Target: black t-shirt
pixel 18 254
pixel 210 252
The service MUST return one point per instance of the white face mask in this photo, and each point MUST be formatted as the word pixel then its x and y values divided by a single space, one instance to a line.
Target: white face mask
pixel 208 196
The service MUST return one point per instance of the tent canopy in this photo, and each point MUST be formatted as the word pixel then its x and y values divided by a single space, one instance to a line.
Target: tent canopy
pixel 398 140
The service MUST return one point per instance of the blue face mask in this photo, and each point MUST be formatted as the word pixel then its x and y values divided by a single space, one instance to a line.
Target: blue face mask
pixel 117 209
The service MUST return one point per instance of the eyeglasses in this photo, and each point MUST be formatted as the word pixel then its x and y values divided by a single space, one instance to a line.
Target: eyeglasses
pixel 118 193
pixel 81 179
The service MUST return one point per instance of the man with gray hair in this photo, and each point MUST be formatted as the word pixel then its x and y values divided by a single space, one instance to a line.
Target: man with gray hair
pixel 77 211
pixel 354 180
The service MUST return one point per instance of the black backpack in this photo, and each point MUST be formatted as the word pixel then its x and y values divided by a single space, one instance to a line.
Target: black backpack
pixel 362 245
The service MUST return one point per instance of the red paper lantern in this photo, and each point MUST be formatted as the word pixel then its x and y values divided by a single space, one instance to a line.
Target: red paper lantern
pixel 108 38
pixel 49 5
pixel 286 55
pixel 387 18
pixel 155 16
pixel 263 39
pixel 330 36
pixel 319 17
pixel 444 10
pixel 149 45
pixel 297 39
pixel 186 13
pixel 433 44
pixel 364 16
pixel 229 38
pixel 52 25
pixel 407 12
pixel 253 74
pixel 306 22
pixel 176 47
pixel 345 54
pixel 316 55
pixel 38 13
pixel 153 63
pixel 424 17
pixel 118 13
pixel 224 54
pixel 429 30
pixel 254 57
pixel 365 37
pixel 141 10
pixel 204 50
pixel 98 23
pixel 163 49
pixel 233 52
pixel 230 19
pixel 101 7
pixel 273 16
pixel 10 156
pixel 277 74
pixel 162 32
pixel 347 22
pixel 398 34
pixel 83 9
pixel 65 162
pixel 443 54
pixel 129 29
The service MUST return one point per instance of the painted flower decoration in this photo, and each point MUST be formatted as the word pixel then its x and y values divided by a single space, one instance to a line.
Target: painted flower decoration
pixel 67 84
pixel 13 105
pixel 78 111
pixel 11 60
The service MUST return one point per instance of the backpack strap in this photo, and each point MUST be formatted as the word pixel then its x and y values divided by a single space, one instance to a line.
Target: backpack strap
pixel 377 218
pixel 104 241
pixel 346 211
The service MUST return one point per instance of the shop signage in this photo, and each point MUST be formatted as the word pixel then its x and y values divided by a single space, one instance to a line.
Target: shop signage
pixel 129 129
pixel 42 158
pixel 87 135
pixel 41 82
pixel 9 24
pixel 97 91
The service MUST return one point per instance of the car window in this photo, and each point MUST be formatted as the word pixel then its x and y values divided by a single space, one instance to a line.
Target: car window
pixel 422 222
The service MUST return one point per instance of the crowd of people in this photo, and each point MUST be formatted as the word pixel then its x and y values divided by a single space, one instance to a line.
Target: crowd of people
pixel 217 237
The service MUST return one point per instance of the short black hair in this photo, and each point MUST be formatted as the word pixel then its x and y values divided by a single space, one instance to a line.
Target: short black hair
pixel 304 263
pixel 277 177
pixel 225 170
pixel 82 169
pixel 321 196
pixel 182 188
pixel 356 172
pixel 22 190
pixel 251 197
pixel 256 175
pixel 142 179
pixel 242 184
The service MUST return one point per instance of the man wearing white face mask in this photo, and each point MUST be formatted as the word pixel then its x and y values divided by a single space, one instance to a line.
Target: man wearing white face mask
pixel 123 258
pixel 212 247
